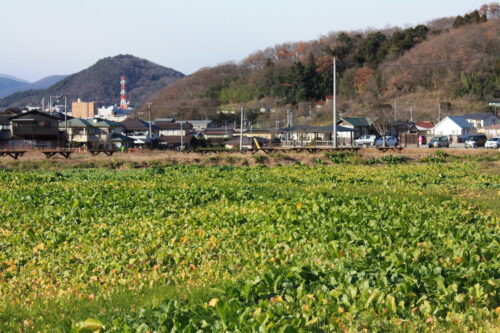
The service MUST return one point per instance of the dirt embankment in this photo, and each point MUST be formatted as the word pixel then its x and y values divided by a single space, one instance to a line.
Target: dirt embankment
pixel 33 160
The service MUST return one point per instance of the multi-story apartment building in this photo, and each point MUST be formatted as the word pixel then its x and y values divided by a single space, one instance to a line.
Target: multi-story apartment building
pixel 83 110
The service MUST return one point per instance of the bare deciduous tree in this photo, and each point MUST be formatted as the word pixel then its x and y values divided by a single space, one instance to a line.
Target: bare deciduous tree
pixel 383 121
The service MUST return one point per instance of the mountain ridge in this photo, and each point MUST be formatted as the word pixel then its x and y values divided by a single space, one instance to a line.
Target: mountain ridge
pixel 101 82
pixel 19 86
pixel 451 62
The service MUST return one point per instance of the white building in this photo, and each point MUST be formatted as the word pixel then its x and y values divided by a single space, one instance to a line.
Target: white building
pixel 480 120
pixel 199 125
pixel 456 127
pixel 113 113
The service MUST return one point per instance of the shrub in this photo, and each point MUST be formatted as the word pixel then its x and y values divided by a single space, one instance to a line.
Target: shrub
pixel 339 157
pixel 372 161
pixel 394 159
pixel 260 159
pixel 433 159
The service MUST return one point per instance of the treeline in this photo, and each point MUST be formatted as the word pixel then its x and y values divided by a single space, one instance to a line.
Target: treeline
pixel 292 76
pixel 312 79
pixel 472 18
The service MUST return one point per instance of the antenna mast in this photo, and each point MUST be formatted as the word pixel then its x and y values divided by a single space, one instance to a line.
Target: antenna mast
pixel 123 94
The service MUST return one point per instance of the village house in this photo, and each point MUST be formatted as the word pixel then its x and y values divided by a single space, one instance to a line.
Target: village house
pixel 315 135
pixel 36 129
pixel 94 133
pixel 424 127
pixel 218 133
pixel 5 128
pixel 176 141
pixel 401 127
pixel 139 130
pixel 169 128
pixel 480 120
pixel 359 125
pixel 200 125
pixel 455 127
pixel 490 131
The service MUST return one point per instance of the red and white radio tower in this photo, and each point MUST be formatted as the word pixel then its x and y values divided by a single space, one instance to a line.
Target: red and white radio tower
pixel 123 94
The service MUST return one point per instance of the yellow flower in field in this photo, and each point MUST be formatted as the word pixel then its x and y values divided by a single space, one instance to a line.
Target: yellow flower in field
pixel 11 268
pixel 340 309
pixel 299 205
pixel 39 247
pixel 305 307
pixel 213 302
pixel 276 299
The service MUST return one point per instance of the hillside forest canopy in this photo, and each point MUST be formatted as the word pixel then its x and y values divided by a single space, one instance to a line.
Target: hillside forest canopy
pixel 449 59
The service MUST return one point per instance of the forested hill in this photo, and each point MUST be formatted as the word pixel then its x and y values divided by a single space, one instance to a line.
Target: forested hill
pixel 453 61
pixel 101 82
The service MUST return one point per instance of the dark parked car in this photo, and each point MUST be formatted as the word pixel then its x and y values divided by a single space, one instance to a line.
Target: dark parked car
pixel 476 140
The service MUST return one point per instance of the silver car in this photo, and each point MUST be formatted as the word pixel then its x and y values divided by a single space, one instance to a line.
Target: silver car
pixel 365 140
pixel 439 141
pixel 493 143
pixel 390 141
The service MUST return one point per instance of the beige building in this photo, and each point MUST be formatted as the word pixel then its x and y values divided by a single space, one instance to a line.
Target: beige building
pixel 84 110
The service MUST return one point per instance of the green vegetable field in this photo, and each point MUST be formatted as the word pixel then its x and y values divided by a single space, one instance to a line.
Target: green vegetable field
pixel 410 247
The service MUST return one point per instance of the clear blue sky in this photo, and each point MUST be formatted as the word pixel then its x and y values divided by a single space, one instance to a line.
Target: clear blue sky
pixel 46 37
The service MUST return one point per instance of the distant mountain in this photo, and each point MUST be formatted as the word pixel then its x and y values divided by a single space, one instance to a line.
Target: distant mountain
pixel 47 81
pixel 101 83
pixel 11 86
pixel 6 76
pixel 8 85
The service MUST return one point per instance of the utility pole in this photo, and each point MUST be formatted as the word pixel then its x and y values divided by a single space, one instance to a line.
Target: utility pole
pixel 150 134
pixel 289 123
pixel 439 113
pixel 241 130
pixel 334 138
pixel 395 109
pixel 411 113
pixel 66 115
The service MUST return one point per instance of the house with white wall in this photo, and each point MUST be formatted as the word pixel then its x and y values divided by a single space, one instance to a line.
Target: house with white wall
pixel 480 120
pixel 455 127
